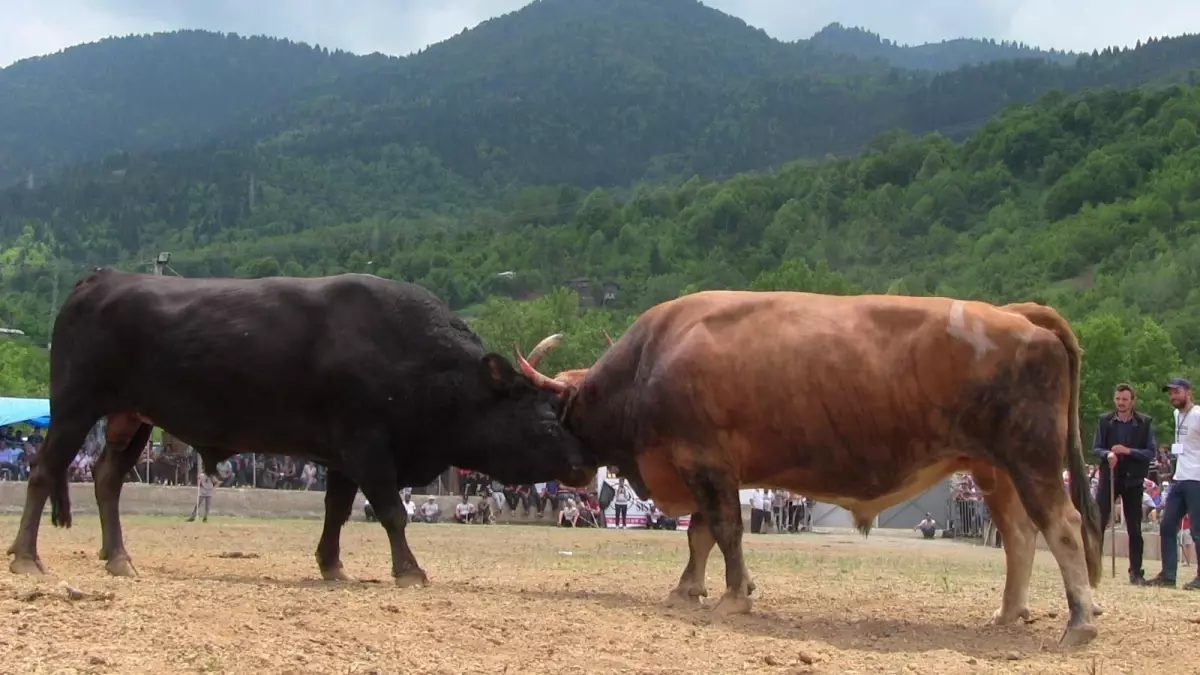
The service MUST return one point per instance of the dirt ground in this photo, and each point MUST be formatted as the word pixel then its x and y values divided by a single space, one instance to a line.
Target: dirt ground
pixel 513 599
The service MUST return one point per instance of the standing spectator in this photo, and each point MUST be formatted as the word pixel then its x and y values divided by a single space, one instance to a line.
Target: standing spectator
pixel 779 509
pixel 621 500
pixel 1183 499
pixel 756 511
pixel 1124 440
pixel 206 484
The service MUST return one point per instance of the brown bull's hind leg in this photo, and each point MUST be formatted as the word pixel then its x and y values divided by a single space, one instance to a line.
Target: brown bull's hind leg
pixel 691 583
pixel 1018 537
pixel 339 504
pixel 1049 506
pixel 47 479
pixel 125 438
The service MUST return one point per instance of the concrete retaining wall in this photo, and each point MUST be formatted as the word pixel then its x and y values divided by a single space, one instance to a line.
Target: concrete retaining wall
pixel 162 500
pixel 159 500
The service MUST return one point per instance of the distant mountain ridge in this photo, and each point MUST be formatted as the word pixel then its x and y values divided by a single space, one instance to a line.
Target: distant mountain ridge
pixel 589 92
pixel 932 56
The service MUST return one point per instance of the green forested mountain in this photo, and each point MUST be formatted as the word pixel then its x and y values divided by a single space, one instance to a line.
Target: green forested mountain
pixel 938 57
pixel 149 93
pixel 587 92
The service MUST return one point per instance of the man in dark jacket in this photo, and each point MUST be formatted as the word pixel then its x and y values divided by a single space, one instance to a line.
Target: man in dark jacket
pixel 1125 444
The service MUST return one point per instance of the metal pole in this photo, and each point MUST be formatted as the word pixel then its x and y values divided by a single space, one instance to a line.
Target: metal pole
pixel 254 469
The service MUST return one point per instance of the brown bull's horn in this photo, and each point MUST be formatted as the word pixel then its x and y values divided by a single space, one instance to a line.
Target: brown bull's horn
pixel 543 348
pixel 539 380
pixel 608 337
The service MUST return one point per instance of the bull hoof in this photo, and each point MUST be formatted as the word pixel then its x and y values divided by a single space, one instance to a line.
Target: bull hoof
pixel 121 566
pixel 31 566
pixel 1078 635
pixel 1097 610
pixel 1002 618
pixel 102 554
pixel 687 597
pixel 410 579
pixel 336 574
pixel 729 605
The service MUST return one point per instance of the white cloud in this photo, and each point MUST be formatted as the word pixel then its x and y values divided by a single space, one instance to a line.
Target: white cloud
pixel 402 26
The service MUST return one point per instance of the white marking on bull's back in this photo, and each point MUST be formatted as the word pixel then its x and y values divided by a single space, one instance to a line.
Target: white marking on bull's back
pixel 973 335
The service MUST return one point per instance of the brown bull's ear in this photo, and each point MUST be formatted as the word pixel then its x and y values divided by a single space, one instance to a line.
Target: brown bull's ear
pixel 499 372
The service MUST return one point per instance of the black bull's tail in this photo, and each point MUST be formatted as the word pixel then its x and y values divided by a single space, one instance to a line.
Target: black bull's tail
pixel 1081 493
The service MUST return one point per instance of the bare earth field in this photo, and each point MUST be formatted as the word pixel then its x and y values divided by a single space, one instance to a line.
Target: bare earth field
pixel 507 599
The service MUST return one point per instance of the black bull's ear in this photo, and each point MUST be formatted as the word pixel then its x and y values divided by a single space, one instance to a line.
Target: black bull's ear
pixel 499 373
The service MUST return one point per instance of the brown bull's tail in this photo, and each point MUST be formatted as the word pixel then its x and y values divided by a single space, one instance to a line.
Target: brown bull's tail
pixel 1081 493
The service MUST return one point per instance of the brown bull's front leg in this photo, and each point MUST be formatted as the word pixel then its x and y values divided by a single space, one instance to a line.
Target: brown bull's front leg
pixel 691 583
pixel 715 491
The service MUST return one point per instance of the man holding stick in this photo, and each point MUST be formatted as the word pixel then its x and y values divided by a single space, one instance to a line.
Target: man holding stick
pixel 1124 441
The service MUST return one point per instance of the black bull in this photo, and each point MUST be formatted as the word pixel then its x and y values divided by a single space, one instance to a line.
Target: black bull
pixel 378 380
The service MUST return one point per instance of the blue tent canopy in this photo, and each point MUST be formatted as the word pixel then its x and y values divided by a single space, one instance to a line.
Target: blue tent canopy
pixel 36 411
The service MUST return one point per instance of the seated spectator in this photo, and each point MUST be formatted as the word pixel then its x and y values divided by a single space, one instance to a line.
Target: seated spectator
pixel 569 515
pixel 410 509
pixel 368 511
pixel 429 512
pixel 657 520
pixel 464 511
pixel 590 514
pixel 484 513
pixel 928 526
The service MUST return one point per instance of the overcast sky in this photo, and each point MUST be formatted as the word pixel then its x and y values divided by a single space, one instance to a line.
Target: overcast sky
pixel 35 27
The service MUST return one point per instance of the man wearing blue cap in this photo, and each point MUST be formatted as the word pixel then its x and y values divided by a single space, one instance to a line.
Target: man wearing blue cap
pixel 1184 495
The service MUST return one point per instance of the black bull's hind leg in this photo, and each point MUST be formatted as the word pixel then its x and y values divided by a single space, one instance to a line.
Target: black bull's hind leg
pixel 48 480
pixel 339 505
pixel 125 438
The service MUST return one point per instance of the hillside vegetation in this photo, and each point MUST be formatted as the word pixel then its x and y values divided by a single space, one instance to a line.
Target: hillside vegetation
pixel 1090 203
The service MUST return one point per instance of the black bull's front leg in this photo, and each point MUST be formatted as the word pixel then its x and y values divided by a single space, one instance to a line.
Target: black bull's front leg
pixel 339 505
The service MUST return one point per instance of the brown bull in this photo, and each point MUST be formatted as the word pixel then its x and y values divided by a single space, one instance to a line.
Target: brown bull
pixel 858 401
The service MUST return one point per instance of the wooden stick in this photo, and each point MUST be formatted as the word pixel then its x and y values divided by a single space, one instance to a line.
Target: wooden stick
pixel 1112 517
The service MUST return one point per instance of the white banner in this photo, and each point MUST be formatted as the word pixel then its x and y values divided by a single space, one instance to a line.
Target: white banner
pixel 638 508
